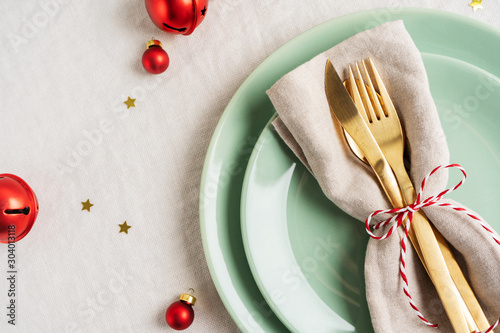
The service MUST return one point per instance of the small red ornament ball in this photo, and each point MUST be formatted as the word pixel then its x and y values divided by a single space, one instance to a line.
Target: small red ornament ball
pixel 180 314
pixel 155 60
pixel 177 16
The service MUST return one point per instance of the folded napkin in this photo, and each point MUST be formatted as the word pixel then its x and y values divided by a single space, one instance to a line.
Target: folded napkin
pixel 305 124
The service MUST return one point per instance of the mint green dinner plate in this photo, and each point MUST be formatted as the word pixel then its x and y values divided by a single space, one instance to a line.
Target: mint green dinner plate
pixel 307 256
pixel 434 32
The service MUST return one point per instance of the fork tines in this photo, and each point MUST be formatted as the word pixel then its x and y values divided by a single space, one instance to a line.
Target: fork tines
pixel 371 104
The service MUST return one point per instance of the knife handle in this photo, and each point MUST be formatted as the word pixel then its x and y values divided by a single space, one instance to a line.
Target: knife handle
pixel 461 282
pixel 431 255
pixel 429 251
pixel 471 308
pixel 438 272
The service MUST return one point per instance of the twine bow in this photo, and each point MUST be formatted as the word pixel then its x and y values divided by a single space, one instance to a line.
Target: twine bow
pixel 399 215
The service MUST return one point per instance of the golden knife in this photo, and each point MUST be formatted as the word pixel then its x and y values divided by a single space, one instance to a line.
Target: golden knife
pixel 343 109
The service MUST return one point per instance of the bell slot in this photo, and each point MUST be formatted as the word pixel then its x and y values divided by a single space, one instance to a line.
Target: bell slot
pixel 25 211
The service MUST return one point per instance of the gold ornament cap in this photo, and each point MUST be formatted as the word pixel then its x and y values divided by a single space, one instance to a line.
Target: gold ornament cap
pixel 189 299
pixel 153 42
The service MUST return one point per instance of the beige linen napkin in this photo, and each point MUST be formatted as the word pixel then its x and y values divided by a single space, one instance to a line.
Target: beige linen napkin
pixel 305 124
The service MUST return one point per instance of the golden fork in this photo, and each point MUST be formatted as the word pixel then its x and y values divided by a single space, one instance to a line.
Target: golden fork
pixel 343 109
pixel 381 117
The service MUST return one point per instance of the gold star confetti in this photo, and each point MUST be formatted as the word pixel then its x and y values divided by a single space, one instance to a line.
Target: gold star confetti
pixel 476 4
pixel 130 102
pixel 86 205
pixel 124 227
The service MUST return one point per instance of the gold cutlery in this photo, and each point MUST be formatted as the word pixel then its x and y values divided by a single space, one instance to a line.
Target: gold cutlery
pixel 343 108
pixel 382 119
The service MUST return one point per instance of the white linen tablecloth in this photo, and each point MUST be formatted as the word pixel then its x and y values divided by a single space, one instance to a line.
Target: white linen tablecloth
pixel 66 68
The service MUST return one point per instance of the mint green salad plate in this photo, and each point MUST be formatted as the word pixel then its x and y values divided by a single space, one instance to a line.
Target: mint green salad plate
pixel 307 256
pixel 434 33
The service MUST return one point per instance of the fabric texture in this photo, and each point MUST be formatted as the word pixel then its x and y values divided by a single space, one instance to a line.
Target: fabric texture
pixel 66 68
pixel 305 124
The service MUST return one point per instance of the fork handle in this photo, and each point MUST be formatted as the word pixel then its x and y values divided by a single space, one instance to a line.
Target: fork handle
pixel 455 272
pixel 461 282
pixel 438 272
pixel 423 235
pixel 465 310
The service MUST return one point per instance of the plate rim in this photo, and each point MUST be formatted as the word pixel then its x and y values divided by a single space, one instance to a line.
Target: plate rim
pixel 229 110
pixel 264 139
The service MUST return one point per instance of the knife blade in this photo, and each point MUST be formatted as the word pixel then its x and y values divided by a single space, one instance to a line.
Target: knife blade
pixel 343 109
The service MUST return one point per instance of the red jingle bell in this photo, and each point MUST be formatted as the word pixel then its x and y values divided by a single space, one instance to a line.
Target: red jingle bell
pixel 18 208
pixel 155 60
pixel 177 16
pixel 180 314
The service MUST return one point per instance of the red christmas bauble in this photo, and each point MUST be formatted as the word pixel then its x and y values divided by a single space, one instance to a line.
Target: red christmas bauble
pixel 155 60
pixel 18 208
pixel 177 16
pixel 180 314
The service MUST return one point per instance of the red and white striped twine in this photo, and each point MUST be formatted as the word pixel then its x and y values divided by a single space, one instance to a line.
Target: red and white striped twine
pixel 406 213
